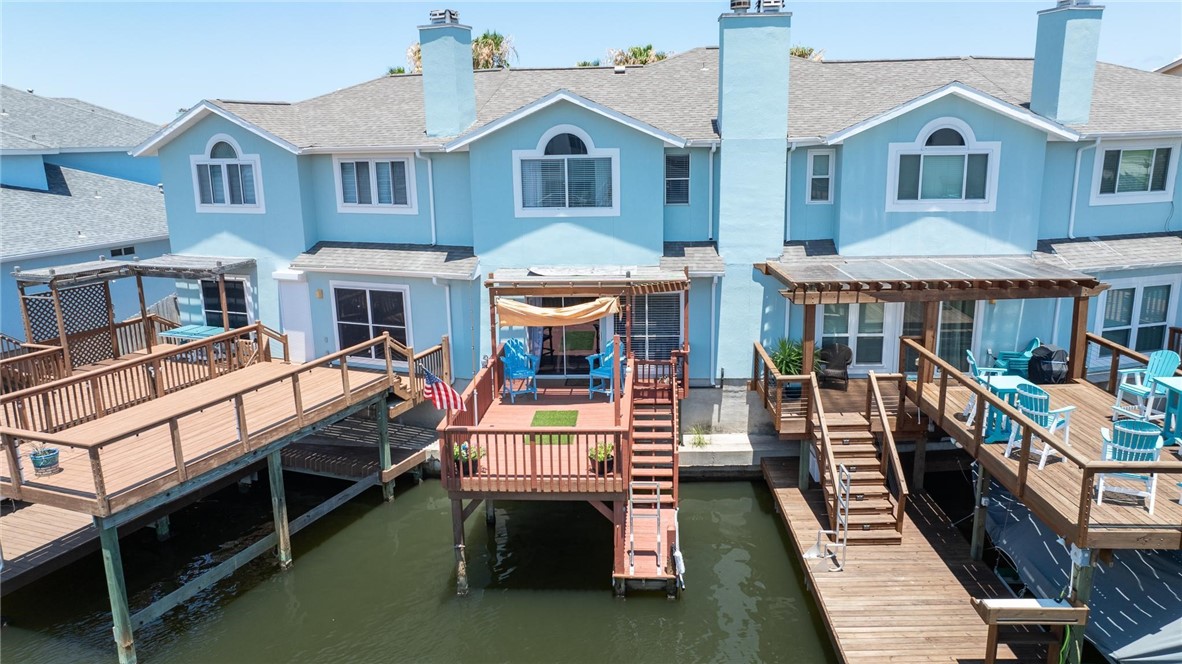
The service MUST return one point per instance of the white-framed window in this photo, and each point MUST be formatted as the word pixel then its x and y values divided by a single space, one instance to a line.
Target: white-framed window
pixel 1134 172
pixel 566 176
pixel 1136 313
pixel 129 250
pixel 656 325
pixel 677 179
pixel 820 165
pixel 226 180
pixel 375 184
pixel 364 311
pixel 862 327
pixel 945 170
pixel 238 302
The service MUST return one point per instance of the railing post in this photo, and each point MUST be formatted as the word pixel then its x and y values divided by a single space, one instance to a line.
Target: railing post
pixel 445 342
pixel 412 374
pixel 240 415
pixel 178 455
pixel 386 350
pixel 943 395
pixel 1085 506
pixel 1024 458
pixel 1113 368
pixel 298 399
pixel 96 394
pixel 100 485
pixel 345 379
pixel 14 466
pixel 157 378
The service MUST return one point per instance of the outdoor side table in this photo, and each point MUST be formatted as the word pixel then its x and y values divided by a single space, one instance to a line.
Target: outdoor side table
pixel 1171 426
pixel 997 424
pixel 187 333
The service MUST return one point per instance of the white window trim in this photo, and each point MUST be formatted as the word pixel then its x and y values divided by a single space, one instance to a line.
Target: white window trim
pixel 1134 197
pixel 1139 284
pixel 808 185
pixel 412 203
pixel 688 179
pixel 893 330
pixel 519 210
pixel 246 288
pixel 361 285
pixel 992 148
pixel 253 160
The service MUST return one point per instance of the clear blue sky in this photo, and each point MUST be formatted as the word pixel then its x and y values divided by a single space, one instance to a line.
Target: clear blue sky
pixel 149 59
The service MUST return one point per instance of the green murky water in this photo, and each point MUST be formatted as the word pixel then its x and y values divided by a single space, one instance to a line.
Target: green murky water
pixel 374 582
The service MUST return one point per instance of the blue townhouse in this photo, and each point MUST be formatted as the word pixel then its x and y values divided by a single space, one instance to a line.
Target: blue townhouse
pixel 71 192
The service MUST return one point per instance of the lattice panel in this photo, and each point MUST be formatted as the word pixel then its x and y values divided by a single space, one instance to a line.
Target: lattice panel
pixel 84 310
pixel 42 317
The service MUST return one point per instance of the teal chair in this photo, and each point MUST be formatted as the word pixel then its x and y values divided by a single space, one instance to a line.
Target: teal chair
pixel 520 370
pixel 1130 440
pixel 1035 403
pixel 1141 384
pixel 602 372
pixel 1017 363
pixel 981 374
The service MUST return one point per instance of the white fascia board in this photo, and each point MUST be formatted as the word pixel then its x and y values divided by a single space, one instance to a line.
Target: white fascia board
pixel 48 253
pixel 373 149
pixel 151 147
pixel 567 96
pixel 404 274
pixel 1017 113
pixel 15 152
pixel 1132 135
pixel 125 149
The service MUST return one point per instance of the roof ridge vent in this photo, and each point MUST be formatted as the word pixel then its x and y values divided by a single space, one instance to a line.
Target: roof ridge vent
pixel 619 69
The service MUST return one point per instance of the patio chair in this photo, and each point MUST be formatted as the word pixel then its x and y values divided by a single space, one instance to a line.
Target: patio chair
pixel 602 366
pixel 1141 384
pixel 520 368
pixel 981 374
pixel 1017 363
pixel 833 363
pixel 1130 440
pixel 1035 403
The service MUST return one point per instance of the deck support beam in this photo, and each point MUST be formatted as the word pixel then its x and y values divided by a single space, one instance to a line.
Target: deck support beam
pixel 919 461
pixel 1081 593
pixel 385 461
pixel 117 590
pixel 279 508
pixel 1077 360
pixel 980 511
pixel 457 531
pixel 163 527
pixel 806 453
pixel 808 343
pixel 490 513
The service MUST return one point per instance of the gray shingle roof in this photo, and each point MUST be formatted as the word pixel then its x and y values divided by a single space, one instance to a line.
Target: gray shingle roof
pixel 1110 253
pixel 701 258
pixel 445 262
pixel 79 211
pixel 67 123
pixel 680 95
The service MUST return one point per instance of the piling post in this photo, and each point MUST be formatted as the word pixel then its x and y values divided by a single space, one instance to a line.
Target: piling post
pixel 279 508
pixel 490 513
pixel 980 511
pixel 117 590
pixel 384 454
pixel 1083 563
pixel 457 527
pixel 163 528
pixel 806 451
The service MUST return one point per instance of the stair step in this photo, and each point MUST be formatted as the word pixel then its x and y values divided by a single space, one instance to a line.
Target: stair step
pixel 867 492
pixel 865 537
pixel 647 491
pixel 863 477
pixel 841 438
pixel 854 449
pixel 870 505
pixel 645 474
pixel 651 459
pixel 875 520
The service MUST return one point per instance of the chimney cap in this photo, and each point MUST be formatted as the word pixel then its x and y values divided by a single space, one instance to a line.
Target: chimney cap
pixel 444 16
pixel 740 6
pixel 768 6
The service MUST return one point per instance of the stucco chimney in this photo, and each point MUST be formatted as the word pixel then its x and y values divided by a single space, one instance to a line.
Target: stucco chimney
pixel 1065 61
pixel 449 87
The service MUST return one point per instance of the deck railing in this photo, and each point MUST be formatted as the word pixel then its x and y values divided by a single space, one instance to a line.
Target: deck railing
pixel 435 359
pixel 950 376
pixel 100 501
pixel 891 468
pixel 1119 357
pixel 83 397
pixel 31 365
pixel 771 385
pixel 827 465
pixel 131 336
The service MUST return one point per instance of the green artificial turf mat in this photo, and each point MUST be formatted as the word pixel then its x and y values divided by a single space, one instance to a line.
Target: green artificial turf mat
pixel 553 418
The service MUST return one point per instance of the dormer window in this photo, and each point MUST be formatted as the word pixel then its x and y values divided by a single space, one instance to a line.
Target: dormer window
pixel 566 176
pixel 225 179
pixel 945 170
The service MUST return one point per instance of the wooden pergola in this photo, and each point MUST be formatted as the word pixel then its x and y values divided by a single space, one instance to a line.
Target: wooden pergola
pixel 101 273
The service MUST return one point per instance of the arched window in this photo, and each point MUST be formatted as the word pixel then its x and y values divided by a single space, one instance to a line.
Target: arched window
pixel 225 180
pixel 945 169
pixel 566 176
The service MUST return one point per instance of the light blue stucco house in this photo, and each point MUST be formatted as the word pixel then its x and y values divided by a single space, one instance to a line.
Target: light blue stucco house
pixel 71 192
pixel 384 206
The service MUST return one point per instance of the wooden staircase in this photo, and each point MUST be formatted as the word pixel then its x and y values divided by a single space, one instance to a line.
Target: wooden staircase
pixel 655 433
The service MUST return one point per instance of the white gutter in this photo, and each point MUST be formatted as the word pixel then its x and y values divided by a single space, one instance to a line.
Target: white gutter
pixel 1165 133
pixel 447 304
pixel 1075 187
pixel 89 247
pixel 710 186
pixel 430 190
pixel 714 332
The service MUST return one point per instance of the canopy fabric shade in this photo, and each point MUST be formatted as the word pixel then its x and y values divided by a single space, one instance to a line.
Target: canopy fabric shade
pixel 514 313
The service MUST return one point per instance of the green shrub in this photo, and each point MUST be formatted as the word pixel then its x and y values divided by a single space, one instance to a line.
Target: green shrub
pixel 788 356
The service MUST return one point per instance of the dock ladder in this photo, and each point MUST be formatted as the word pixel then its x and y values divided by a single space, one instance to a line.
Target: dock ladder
pixel 646 499
pixel 824 548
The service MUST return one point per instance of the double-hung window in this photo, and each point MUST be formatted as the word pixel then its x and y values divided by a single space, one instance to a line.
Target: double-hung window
pixel 237 303
pixel 945 169
pixel 380 184
pixel 363 312
pixel 1137 314
pixel 1134 172
pixel 820 165
pixel 566 176
pixel 225 180
pixel 677 167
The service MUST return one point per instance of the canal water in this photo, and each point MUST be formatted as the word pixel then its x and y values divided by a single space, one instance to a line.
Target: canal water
pixel 374 581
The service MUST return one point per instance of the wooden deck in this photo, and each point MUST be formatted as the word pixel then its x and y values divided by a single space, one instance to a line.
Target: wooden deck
pixel 349 450
pixel 1054 493
pixel 36 535
pixel 908 603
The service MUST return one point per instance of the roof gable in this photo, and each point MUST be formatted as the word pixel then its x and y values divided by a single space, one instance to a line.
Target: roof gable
pixel 152 145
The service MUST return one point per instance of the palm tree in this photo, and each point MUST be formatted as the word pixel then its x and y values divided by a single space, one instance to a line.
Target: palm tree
pixel 636 55
pixel 394 71
pixel 414 57
pixel 491 50
pixel 588 63
pixel 807 52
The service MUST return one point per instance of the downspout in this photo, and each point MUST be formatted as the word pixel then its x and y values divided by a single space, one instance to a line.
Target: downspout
pixel 714 331
pixel 1075 187
pixel 788 194
pixel 710 203
pixel 431 199
pixel 447 304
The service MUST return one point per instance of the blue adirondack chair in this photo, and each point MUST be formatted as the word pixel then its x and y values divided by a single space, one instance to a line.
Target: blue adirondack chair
pixel 1035 403
pixel 1141 384
pixel 521 370
pixel 1017 363
pixel 981 374
pixel 1130 440
pixel 603 365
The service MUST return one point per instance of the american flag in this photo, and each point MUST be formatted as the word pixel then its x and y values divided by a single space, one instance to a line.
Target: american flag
pixel 440 393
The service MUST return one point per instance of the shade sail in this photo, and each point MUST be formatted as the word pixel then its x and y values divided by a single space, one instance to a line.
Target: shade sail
pixel 514 313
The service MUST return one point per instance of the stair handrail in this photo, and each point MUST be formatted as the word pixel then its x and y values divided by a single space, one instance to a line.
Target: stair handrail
pixel 890 453
pixel 828 460
pixel 841 529
pixel 675 424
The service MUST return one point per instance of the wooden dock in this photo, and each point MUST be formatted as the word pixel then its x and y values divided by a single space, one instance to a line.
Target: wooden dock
pixel 908 603
pixel 36 536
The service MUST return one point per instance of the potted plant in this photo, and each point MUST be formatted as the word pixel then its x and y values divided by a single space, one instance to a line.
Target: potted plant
pixel 603 458
pixel 467 458
pixel 788 356
pixel 45 460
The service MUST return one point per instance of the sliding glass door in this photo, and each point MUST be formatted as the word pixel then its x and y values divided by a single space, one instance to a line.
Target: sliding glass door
pixel 564 350
pixel 953 337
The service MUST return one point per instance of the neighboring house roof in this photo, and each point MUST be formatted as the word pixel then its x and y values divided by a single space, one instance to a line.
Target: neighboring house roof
pixel 1111 253
pixel 1174 68
pixel 80 211
pixel 679 95
pixel 67 124
pixel 700 258
pixel 405 260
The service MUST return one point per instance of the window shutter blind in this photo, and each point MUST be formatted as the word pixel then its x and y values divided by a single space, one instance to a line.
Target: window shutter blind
pixel 348 182
pixel 216 186
pixel 364 193
pixel 385 186
pixel 543 183
pixel 1134 170
pixel 908 177
pixel 943 176
pixel 976 177
pixel 203 184
pixel 589 182
pixel 235 176
pixel 401 195
pixel 247 184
